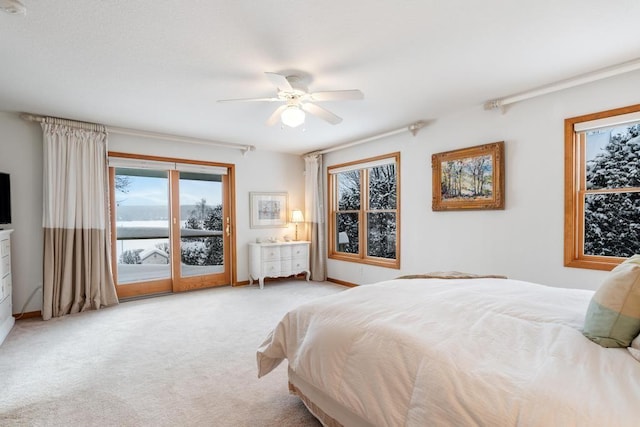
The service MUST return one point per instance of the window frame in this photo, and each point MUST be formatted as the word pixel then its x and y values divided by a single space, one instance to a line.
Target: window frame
pixel 575 191
pixel 361 256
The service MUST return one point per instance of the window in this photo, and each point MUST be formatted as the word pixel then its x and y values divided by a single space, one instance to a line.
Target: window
pixel 364 215
pixel 602 188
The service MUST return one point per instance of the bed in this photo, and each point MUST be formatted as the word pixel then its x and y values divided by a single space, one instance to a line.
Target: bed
pixel 444 352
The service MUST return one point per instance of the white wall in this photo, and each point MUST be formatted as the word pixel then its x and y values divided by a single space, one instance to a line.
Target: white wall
pixel 21 156
pixel 524 241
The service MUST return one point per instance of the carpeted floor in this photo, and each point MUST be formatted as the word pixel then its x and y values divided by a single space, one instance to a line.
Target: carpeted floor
pixel 178 360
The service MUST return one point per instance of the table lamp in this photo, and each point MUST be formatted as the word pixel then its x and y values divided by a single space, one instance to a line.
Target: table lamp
pixel 296 218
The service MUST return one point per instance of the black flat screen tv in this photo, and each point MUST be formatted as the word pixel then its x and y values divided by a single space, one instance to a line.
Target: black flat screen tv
pixel 5 199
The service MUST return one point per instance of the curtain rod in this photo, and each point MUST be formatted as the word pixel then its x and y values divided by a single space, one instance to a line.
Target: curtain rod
pixel 603 73
pixel 147 134
pixel 414 128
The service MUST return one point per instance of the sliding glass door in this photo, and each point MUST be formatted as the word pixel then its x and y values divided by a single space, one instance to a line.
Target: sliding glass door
pixel 171 226
pixel 204 230
pixel 142 244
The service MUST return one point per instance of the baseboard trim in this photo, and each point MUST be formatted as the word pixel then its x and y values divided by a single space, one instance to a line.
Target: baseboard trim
pixel 28 315
pixel 242 283
pixel 341 282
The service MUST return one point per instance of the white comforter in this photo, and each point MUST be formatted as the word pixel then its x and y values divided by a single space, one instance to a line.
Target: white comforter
pixel 431 352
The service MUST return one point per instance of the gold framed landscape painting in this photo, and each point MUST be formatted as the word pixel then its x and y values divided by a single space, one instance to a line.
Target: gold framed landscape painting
pixel 469 178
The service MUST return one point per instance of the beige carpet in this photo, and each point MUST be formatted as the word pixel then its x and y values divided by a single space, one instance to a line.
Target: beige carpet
pixel 177 360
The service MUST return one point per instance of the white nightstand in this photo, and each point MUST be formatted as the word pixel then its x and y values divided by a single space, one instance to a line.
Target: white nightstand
pixel 279 259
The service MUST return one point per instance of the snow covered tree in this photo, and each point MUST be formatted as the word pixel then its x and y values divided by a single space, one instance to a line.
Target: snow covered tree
pixel 348 204
pixel 381 226
pixel 204 250
pixel 193 223
pixel 215 248
pixel 193 252
pixel 131 256
pixel 612 219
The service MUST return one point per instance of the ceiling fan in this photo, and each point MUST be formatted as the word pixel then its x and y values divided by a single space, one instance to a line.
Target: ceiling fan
pixel 298 100
pixel 13 7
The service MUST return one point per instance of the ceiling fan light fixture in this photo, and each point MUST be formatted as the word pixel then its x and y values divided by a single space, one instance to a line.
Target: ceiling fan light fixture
pixel 13 7
pixel 297 101
pixel 293 116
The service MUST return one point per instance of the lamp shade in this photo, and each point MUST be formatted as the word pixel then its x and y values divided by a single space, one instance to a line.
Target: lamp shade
pixel 296 216
pixel 292 116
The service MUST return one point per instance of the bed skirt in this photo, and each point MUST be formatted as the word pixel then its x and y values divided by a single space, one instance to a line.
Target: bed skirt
pixel 329 412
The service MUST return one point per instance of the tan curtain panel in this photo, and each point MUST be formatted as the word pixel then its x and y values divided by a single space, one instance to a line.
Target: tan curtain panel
pixel 314 207
pixel 77 256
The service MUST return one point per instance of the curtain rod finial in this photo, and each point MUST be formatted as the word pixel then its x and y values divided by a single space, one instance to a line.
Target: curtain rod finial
pixel 495 104
pixel 248 148
pixel 30 117
pixel 414 128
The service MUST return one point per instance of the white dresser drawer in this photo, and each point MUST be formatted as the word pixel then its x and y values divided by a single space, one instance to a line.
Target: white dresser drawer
pixel 270 253
pixel 271 268
pixel 5 247
pixel 300 251
pixel 299 264
pixel 5 287
pixel 6 265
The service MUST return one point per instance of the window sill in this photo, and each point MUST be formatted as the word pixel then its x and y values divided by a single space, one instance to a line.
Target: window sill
pixel 395 264
pixel 594 264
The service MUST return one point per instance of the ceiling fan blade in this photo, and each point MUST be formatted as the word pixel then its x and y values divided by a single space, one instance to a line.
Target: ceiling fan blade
pixel 322 113
pixel 250 100
pixel 336 95
pixel 279 81
pixel 13 7
pixel 276 115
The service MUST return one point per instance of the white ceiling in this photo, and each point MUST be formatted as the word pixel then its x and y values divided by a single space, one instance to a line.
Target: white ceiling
pixel 160 65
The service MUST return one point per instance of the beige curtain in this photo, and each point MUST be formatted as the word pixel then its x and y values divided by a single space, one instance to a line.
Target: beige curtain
pixel 77 257
pixel 314 213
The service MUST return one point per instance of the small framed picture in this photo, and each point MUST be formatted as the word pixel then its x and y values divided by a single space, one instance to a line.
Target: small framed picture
pixel 470 178
pixel 268 210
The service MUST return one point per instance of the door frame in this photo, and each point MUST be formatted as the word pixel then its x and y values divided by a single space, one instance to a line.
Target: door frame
pixel 170 285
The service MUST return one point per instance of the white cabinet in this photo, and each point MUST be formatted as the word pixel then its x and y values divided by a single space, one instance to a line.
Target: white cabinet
pixel 6 312
pixel 277 260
